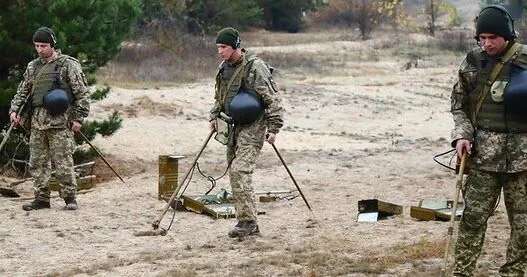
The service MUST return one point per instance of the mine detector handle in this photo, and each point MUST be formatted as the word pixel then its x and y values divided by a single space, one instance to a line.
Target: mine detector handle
pixel 226 118
pixel 175 195
pixel 12 125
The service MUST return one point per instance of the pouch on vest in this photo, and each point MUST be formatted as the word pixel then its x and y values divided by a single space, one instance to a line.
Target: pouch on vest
pixel 497 91
pixel 516 92
pixel 224 129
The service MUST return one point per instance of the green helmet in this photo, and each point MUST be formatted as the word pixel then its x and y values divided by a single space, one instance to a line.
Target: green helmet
pixel 246 107
pixel 56 102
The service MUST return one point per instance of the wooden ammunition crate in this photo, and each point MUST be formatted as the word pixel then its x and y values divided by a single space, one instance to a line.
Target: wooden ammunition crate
pixel 168 176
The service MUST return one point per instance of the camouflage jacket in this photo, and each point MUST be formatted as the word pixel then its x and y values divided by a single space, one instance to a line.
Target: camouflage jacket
pixel 257 77
pixel 72 75
pixel 492 151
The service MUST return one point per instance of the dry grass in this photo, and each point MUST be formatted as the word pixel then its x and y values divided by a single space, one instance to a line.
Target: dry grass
pixel 113 263
pixel 159 58
pixel 178 273
pixel 459 40
pixel 337 256
pixel 169 57
pixel 266 38
pixel 404 253
pixel 144 106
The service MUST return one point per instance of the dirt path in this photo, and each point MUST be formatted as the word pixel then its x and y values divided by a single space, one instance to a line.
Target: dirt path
pixel 364 129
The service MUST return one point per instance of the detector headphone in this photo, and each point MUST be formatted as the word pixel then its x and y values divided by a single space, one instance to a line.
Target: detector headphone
pixel 237 43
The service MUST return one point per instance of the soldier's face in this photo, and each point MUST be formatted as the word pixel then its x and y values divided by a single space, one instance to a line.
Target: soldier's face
pixel 492 44
pixel 44 50
pixel 225 51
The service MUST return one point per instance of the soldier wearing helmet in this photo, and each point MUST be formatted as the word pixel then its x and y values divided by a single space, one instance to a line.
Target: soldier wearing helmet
pixel 59 102
pixel 244 91
pixel 489 128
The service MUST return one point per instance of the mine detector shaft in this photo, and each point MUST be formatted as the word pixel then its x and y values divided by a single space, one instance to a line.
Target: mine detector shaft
pixel 176 194
pixel 101 156
pixel 12 125
pixel 447 269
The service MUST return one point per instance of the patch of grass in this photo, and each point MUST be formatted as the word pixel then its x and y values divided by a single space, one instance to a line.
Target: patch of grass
pixel 161 57
pixel 404 253
pixel 178 273
pixel 266 38
pixel 332 259
pixel 458 40
pixel 320 64
pixel 165 57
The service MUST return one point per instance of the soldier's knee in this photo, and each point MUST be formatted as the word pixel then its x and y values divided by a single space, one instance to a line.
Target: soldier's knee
pixel 241 168
pixel 474 219
pixel 66 178
pixel 237 190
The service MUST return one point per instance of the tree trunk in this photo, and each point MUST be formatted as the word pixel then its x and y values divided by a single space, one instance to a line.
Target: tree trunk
pixel 432 18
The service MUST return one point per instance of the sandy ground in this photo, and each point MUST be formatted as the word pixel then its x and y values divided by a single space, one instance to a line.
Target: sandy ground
pixel 363 129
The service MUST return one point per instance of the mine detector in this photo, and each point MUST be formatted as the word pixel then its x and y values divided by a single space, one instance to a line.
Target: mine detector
pixel 173 193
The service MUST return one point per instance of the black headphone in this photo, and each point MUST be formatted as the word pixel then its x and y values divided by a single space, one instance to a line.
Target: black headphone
pixel 237 43
pixel 506 12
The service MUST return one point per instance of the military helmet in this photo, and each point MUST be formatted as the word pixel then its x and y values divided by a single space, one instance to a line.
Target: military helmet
pixel 516 92
pixel 246 107
pixel 56 101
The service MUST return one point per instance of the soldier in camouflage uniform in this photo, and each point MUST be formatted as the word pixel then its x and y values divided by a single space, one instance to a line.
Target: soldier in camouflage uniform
pixel 496 141
pixel 51 141
pixel 242 70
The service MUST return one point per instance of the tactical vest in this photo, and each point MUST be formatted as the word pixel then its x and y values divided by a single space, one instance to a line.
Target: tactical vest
pixel 230 80
pixel 48 78
pixel 493 115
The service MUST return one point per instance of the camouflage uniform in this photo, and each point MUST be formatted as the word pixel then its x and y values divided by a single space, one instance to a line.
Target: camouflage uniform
pixel 248 140
pixel 51 141
pixel 498 160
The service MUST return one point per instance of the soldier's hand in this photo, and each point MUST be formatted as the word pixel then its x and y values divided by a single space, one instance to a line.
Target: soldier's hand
pixel 270 138
pixel 15 119
pixel 76 126
pixel 463 146
pixel 212 125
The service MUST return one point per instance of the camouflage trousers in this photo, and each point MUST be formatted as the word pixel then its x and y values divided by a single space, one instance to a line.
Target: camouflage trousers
pixel 244 153
pixel 52 148
pixel 481 192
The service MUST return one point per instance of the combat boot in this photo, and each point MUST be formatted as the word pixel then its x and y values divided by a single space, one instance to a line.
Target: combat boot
pixel 71 203
pixel 244 228
pixel 36 205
